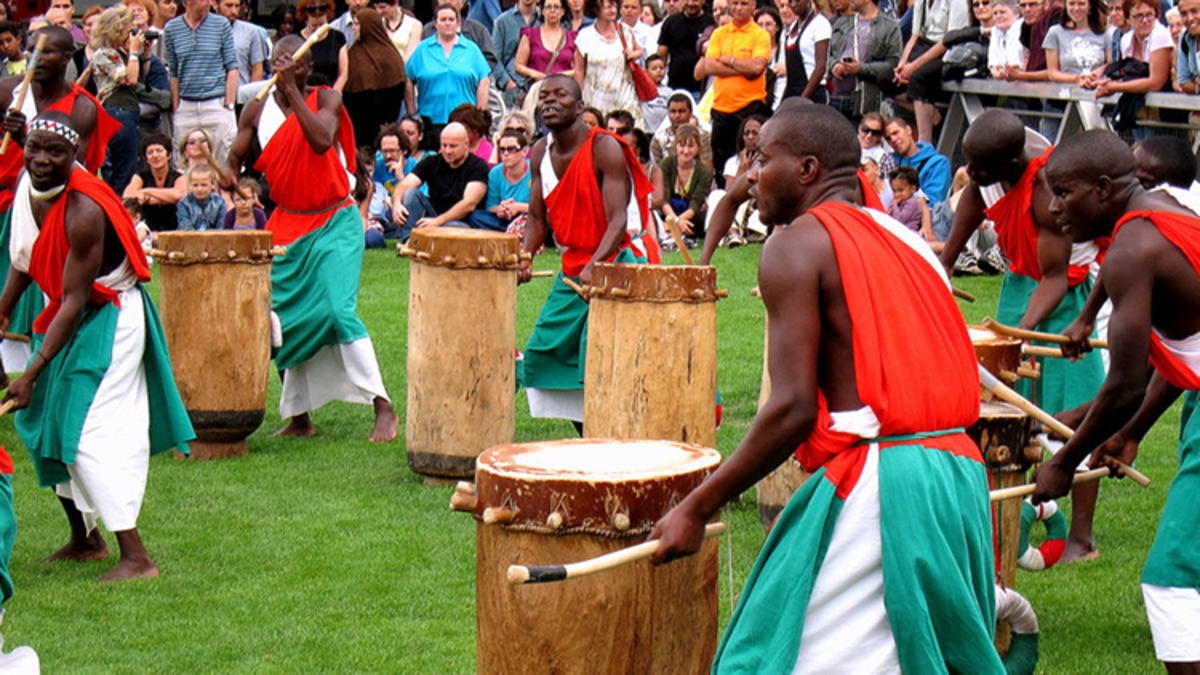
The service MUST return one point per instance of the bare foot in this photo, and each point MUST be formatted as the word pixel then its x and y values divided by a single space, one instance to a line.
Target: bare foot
pixel 300 425
pixel 386 422
pixel 92 548
pixel 131 569
pixel 1079 550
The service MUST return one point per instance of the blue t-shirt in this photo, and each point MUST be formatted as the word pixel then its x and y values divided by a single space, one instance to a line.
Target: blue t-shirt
pixel 444 83
pixel 500 189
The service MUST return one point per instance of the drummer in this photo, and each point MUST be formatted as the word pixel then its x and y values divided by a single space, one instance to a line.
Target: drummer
pixel 589 189
pixel 1048 280
pixel 866 343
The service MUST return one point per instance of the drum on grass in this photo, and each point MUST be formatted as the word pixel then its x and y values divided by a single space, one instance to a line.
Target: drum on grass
pixel 652 353
pixel 462 306
pixel 216 313
pixel 776 488
pixel 564 501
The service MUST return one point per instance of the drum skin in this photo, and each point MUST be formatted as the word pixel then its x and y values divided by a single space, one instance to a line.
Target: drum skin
pixel 633 619
pixel 652 353
pixel 216 308
pixel 461 340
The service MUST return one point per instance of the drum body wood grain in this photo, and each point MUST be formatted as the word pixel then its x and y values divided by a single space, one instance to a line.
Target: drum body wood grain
pixel 652 353
pixel 216 313
pixel 775 490
pixel 461 341
pixel 565 501
pixel 999 355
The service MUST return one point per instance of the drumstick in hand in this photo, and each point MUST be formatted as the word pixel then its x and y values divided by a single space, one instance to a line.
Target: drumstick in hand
pixel 536 574
pixel 313 39
pixel 1021 491
pixel 29 68
pixel 16 337
pixel 7 406
pixel 1023 334
pixel 673 228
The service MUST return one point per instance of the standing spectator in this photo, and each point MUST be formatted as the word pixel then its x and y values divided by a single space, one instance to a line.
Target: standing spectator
pixel 654 111
pixel 5 11
pixel 204 74
pixel 1005 51
pixel 677 43
pixel 345 22
pixel 375 87
pixel 67 7
pixel 457 183
pixel 508 191
pixel 83 55
pixel 167 10
pixel 507 34
pixel 602 53
pixel 475 32
pixel 864 49
pixel 1150 42
pixel 402 27
pixel 544 50
pixel 116 66
pixel 328 56
pixel 920 67
pixel 485 12
pixel 154 84
pixel 1077 48
pixel 1187 69
pixel 631 16
pixel 806 47
pixel 682 183
pixel 249 41
pixel 768 18
pixel 652 16
pixel 577 17
pixel 932 167
pixel 201 209
pixel 737 58
pixel 447 70
pixel 158 187
pixel 679 112
pixel 12 50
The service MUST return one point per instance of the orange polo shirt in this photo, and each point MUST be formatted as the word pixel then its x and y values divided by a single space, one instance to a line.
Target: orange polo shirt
pixel 735 92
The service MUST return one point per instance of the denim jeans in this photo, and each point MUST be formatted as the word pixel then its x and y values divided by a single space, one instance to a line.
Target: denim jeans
pixel 120 162
pixel 419 207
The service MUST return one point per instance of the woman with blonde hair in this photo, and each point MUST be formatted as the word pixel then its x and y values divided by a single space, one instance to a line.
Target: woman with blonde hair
pixel 196 148
pixel 116 65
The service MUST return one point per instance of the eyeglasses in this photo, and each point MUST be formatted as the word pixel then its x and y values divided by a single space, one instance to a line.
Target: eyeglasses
pixel 196 141
pixel 868 130
pixel 1143 17
pixel 316 9
pixel 547 8
pixel 982 3
pixel 1030 5
pixel 509 149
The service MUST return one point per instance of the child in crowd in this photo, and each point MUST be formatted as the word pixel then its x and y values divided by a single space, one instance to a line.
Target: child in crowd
pixel 654 111
pixel 247 213
pixel 12 55
pixel 201 209
pixel 908 208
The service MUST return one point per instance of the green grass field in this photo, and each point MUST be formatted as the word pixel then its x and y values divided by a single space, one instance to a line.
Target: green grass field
pixel 328 554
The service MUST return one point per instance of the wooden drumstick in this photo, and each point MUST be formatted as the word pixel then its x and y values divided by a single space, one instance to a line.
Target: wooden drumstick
pixel 29 68
pixel 543 273
pixel 673 229
pixel 1011 331
pixel 1035 350
pixel 960 293
pixel 7 406
pixel 1004 393
pixel 16 337
pixel 536 574
pixel 313 39
pixel 575 287
pixel 1022 491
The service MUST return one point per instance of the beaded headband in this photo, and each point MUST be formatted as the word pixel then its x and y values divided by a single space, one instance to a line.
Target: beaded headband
pixel 56 128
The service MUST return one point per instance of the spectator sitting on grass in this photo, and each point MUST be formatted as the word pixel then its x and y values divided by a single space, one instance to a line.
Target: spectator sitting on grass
pixel 508 183
pixel 393 160
pixel 457 183
pixel 201 209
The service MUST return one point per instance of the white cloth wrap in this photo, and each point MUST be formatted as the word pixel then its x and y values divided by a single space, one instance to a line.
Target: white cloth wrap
pixel 108 478
pixel 342 372
pixel 1174 615
pixel 847 596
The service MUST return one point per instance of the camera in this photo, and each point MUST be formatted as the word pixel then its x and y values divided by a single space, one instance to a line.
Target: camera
pixel 153 33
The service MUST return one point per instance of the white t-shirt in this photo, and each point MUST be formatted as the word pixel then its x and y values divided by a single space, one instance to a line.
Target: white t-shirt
pixel 817 30
pixel 1004 47
pixel 1160 38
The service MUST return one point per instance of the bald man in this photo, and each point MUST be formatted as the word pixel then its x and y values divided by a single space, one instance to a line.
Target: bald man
pixel 1152 275
pixel 866 570
pixel 457 181
pixel 307 147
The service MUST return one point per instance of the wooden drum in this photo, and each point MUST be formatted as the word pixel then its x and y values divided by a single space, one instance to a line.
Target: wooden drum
pixel 563 501
pixel 462 335
pixel 998 354
pixel 775 489
pixel 652 353
pixel 216 313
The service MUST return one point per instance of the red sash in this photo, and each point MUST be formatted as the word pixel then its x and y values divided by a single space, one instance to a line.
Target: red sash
pixel 1184 232
pixel 13 161
pixel 307 186
pixel 575 209
pixel 913 360
pixel 51 248
pixel 871 198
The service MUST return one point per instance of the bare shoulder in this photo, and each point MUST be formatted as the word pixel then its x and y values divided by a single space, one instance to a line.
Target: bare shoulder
pixel 84 218
pixel 536 153
pixel 799 250
pixel 607 148
pixel 329 99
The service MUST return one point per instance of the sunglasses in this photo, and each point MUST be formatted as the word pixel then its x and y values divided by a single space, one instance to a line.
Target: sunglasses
pixel 984 3
pixel 316 9
pixel 196 141
pixel 869 130
pixel 509 149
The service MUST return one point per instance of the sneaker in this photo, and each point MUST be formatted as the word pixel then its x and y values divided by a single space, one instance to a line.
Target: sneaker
pixel 993 261
pixel 733 240
pixel 967 263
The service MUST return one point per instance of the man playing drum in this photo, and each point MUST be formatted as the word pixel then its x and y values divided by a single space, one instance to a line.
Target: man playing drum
pixel 589 188
pixel 1152 275
pixel 307 145
pixel 1048 280
pixel 48 90
pixel 883 560
pixel 98 397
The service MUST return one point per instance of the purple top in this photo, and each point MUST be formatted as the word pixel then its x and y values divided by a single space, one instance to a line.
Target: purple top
pixel 260 220
pixel 539 54
pixel 908 213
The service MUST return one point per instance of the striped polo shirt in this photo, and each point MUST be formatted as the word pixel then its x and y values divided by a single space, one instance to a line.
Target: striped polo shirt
pixel 199 58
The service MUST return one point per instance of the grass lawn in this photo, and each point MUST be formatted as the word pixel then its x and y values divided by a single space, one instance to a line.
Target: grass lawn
pixel 328 554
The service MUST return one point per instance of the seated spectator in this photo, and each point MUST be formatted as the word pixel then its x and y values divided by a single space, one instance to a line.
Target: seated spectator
pixel 201 209
pixel 1077 48
pixel 861 66
pixel 247 212
pixel 682 183
pixel 375 86
pixel 13 53
pixel 654 111
pixel 1005 51
pixel 1187 65
pixel 393 160
pixel 747 148
pixel 679 112
pixel 447 70
pixel 195 149
pixel 592 117
pixel 478 122
pixel 158 187
pixel 457 183
pixel 329 59
pixel 876 152
pixel 115 69
pixel 518 121
pixel 932 166
pixel 413 127
pixel 908 206
pixel 621 124
pixel 508 191
pixel 134 208
pixel 1149 42
pixel 1037 18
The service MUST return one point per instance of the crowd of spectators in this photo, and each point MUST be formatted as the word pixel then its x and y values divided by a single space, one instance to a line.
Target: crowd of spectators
pixel 443 97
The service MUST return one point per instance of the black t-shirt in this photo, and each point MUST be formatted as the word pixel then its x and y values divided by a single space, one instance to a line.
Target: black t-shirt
pixel 679 34
pixel 159 217
pixel 325 56
pixel 446 184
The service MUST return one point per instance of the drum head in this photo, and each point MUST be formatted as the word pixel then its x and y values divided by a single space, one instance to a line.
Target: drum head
pixel 599 459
